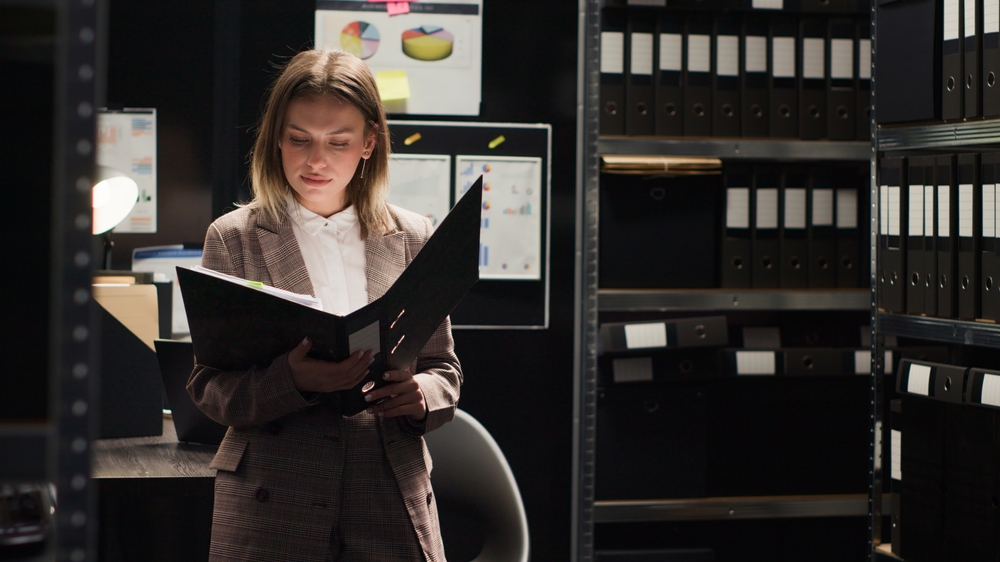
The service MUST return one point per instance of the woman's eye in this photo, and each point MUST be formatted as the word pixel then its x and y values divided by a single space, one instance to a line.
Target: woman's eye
pixel 297 141
pixel 339 144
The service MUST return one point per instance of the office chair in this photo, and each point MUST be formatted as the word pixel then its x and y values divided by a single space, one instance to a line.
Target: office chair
pixel 477 497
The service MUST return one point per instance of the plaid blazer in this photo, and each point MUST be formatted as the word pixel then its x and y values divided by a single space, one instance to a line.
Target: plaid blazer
pixel 283 449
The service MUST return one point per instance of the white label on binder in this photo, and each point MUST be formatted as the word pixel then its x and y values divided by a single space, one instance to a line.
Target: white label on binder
pixel 727 55
pixel 755 363
pixel 970 18
pixel 795 207
pixel 767 4
pixel 813 58
pixel 916 210
pixel 783 57
pixel 887 360
pixel 738 207
pixel 991 16
pixel 670 52
pixel 847 208
pixel 612 52
pixel 767 208
pixel 965 210
pixel 989 211
pixel 862 362
pixel 638 336
pixel 920 380
pixel 991 390
pixel 842 58
pixel 699 53
pixel 929 210
pixel 896 445
pixel 822 207
pixel 883 210
pixel 632 369
pixel 365 339
pixel 641 61
pixel 865 59
pixel 756 53
pixel 894 209
pixel 944 210
pixel 950 20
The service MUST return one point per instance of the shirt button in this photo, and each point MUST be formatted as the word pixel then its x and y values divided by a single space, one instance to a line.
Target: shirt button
pixel 263 495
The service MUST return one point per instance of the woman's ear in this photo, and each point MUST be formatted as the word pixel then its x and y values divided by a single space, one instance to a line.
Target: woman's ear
pixel 370 137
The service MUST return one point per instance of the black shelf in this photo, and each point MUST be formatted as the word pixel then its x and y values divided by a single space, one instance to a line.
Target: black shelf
pixel 729 508
pixel 944 330
pixel 737 148
pixel 664 300
pixel 940 135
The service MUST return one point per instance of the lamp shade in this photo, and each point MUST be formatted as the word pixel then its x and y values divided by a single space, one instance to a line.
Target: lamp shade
pixel 114 196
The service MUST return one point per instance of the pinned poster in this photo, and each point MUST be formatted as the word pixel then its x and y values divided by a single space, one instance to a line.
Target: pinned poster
pixel 510 239
pixel 126 142
pixel 437 46
pixel 421 183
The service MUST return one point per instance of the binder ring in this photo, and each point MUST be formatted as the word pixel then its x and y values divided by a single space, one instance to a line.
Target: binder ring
pixel 814 112
pixel 757 110
pixel 784 111
pixel 950 85
pixel 968 82
pixel 842 112
pixel 795 262
pixel 641 108
pixel 611 107
pixel 699 110
pixel 943 281
pixel 965 282
pixel 671 109
pixel 914 279
pixel 727 109
pixel 738 262
pixel 928 281
pixel 846 262
pixel 989 283
pixel 991 79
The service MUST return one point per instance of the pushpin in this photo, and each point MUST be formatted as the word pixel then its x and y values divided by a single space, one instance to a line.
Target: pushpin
pixel 412 139
pixel 496 142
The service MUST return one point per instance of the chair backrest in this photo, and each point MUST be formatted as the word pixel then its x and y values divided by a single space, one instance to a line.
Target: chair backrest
pixel 471 474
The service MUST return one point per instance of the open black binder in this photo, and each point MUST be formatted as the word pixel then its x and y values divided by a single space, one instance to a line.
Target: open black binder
pixel 234 327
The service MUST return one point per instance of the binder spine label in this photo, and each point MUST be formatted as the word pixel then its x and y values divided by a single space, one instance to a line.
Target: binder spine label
pixel 991 16
pixel 883 210
pixel 970 18
pixel 847 208
pixel 795 208
pixel 944 211
pixel 991 390
pixel 989 211
pixel 865 59
pixel 767 4
pixel 896 444
pixel 920 380
pixel 642 54
pixel 727 55
pixel 965 210
pixel 755 363
pixel 916 227
pixel 822 207
pixel 767 208
pixel 612 52
pixel 756 54
pixel 893 211
pixel 699 53
pixel 813 58
pixel 783 57
pixel 632 369
pixel 670 52
pixel 738 207
pixel 842 59
pixel 639 336
pixel 929 210
pixel 950 20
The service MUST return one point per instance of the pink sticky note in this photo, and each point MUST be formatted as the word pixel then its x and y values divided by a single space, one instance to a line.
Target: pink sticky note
pixel 396 8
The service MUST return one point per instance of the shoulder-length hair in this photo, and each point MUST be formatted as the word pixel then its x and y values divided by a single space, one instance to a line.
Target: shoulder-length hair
pixel 337 73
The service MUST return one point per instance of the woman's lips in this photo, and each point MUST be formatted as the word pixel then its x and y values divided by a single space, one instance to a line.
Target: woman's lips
pixel 314 181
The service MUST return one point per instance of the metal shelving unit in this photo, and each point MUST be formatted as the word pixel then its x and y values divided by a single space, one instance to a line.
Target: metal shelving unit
pixel 720 509
pixel 670 300
pixel 943 330
pixel 939 135
pixel 738 149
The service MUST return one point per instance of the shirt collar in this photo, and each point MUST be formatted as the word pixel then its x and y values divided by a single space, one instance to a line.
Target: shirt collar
pixel 312 223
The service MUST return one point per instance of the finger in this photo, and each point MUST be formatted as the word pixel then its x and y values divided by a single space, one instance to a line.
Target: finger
pixel 397 375
pixel 298 353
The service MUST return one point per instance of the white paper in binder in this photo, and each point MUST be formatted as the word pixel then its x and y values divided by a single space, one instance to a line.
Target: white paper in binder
pixel 795 208
pixel 670 52
pixel 612 52
pixel 767 208
pixel 738 207
pixel 727 55
pixel 641 60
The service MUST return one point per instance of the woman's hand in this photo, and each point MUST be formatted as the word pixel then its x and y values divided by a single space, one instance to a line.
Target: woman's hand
pixel 316 375
pixel 403 397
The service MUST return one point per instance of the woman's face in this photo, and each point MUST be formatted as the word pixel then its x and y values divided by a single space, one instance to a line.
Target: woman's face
pixel 322 142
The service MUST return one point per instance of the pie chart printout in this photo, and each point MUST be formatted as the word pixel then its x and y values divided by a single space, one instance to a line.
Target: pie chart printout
pixel 428 43
pixel 360 39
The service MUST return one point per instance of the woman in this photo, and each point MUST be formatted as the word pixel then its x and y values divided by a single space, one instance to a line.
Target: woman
pixel 297 480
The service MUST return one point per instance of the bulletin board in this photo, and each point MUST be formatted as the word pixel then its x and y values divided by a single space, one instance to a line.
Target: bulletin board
pixel 434 163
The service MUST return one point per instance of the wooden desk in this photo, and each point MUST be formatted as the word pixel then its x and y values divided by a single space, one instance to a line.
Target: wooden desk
pixel 155 498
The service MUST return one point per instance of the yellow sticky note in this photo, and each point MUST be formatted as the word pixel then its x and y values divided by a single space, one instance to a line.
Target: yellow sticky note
pixel 393 84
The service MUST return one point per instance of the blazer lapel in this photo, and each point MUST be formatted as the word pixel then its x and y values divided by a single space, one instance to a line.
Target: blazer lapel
pixel 385 260
pixel 281 256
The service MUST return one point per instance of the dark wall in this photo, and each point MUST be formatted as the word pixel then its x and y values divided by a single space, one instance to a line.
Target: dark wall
pixel 205 68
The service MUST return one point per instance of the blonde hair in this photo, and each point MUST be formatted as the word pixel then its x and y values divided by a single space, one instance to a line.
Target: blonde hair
pixel 345 76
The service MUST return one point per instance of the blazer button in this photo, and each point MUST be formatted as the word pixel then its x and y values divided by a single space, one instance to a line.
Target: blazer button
pixel 430 497
pixel 263 495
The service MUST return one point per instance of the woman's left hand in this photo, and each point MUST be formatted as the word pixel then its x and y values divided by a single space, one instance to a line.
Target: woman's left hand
pixel 403 397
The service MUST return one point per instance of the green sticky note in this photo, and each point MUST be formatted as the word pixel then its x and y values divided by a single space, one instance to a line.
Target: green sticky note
pixel 257 284
pixel 393 84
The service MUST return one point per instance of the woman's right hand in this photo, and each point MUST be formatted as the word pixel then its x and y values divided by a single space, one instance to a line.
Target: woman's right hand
pixel 316 375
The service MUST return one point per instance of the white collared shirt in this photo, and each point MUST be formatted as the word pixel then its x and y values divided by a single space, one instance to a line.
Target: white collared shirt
pixel 334 255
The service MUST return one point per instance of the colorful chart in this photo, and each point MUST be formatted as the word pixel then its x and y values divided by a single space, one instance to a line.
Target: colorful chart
pixel 360 38
pixel 428 43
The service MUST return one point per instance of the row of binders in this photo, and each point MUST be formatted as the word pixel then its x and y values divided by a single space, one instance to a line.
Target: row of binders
pixel 730 74
pixel 944 461
pixel 791 227
pixel 938 224
pixel 937 60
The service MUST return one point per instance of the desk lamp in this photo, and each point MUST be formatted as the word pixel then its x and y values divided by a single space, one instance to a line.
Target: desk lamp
pixel 114 196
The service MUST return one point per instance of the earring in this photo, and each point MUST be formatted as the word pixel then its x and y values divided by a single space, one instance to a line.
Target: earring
pixel 363 161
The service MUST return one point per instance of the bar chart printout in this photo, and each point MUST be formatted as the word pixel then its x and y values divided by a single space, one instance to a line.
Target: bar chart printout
pixel 511 237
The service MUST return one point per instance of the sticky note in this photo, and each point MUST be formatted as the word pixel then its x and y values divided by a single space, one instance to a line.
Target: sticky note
pixel 397 8
pixel 411 139
pixel 496 142
pixel 393 84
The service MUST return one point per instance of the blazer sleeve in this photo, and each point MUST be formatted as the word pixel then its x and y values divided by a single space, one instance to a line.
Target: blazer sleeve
pixel 439 374
pixel 241 399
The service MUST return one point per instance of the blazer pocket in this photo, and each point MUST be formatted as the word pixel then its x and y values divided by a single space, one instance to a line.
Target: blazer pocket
pixel 230 452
